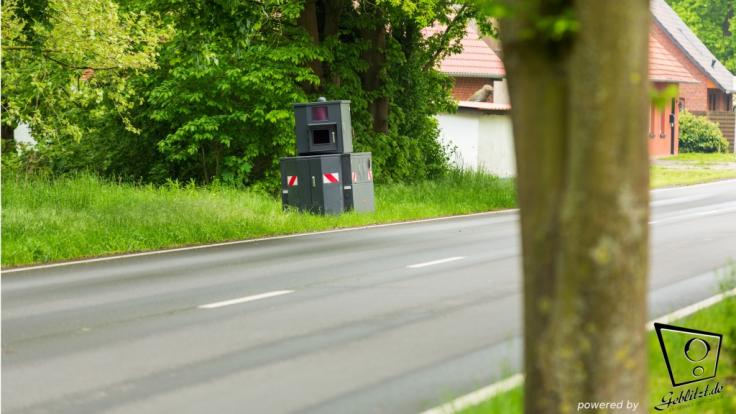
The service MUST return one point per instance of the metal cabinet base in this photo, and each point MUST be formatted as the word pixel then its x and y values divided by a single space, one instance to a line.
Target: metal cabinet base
pixel 328 184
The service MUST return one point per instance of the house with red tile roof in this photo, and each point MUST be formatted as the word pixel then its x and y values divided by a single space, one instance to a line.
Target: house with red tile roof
pixel 712 93
pixel 476 131
pixel 479 133
pixel 475 66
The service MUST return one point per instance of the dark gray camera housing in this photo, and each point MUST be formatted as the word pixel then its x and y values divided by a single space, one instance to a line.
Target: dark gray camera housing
pixel 323 128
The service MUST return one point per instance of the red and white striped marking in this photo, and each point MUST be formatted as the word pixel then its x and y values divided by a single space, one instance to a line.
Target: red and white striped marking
pixel 355 177
pixel 330 178
pixel 292 180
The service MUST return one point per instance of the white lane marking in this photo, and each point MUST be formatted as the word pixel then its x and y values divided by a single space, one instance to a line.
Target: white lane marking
pixel 435 262
pixel 478 396
pixel 678 200
pixel 691 215
pixel 245 299
pixel 236 242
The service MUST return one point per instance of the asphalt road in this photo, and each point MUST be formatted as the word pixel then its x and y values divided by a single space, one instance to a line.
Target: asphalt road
pixel 358 321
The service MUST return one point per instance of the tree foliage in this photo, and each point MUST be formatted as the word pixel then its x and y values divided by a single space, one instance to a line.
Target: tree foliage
pixel 713 22
pixel 216 101
pixel 219 105
pixel 377 55
pixel 66 63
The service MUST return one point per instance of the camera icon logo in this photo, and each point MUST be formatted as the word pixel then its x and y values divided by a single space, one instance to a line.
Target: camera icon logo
pixel 691 355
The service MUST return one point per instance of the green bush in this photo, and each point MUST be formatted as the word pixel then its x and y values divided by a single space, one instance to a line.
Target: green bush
pixel 698 134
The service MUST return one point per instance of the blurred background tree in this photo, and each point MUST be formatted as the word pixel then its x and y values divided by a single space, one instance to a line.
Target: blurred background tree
pixel 202 90
pixel 713 22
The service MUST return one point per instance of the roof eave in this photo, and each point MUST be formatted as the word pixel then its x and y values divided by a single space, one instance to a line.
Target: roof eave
pixel 483 106
pixel 670 80
pixel 692 59
pixel 495 76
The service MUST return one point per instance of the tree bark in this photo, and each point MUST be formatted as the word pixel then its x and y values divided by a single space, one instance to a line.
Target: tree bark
pixel 321 19
pixel 8 138
pixel 308 20
pixel 372 79
pixel 579 118
pixel 331 27
pixel 375 56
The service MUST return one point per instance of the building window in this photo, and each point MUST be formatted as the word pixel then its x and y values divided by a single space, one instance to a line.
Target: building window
pixel 712 99
pixel 728 101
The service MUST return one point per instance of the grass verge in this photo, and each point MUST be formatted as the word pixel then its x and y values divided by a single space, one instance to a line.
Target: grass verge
pixel 84 216
pixel 692 168
pixel 704 159
pixel 718 318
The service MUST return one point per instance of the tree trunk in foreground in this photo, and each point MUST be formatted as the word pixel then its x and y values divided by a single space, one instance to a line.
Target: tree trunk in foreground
pixel 579 116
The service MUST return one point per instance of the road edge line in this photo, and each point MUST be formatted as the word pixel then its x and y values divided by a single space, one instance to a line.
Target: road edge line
pixel 476 397
pixel 485 393
pixel 245 241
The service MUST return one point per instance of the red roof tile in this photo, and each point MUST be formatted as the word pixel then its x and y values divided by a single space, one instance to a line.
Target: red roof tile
pixel 663 67
pixel 476 60
pixel 693 47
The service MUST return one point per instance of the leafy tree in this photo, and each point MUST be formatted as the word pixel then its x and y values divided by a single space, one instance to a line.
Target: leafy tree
pixel 216 102
pixel 376 55
pixel 220 103
pixel 68 61
pixel 713 22
pixel 222 97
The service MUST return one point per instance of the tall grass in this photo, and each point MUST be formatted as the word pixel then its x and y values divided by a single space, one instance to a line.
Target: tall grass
pixel 46 220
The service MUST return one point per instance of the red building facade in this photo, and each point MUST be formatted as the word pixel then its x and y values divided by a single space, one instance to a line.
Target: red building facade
pixel 711 94
pixel 665 71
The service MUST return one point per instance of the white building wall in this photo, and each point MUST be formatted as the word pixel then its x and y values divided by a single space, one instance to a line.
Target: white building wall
pixel 459 131
pixel 482 141
pixel 496 145
pixel 22 134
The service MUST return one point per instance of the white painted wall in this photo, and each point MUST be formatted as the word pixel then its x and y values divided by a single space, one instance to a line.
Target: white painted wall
pixel 482 140
pixel 496 145
pixel 460 131
pixel 22 134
